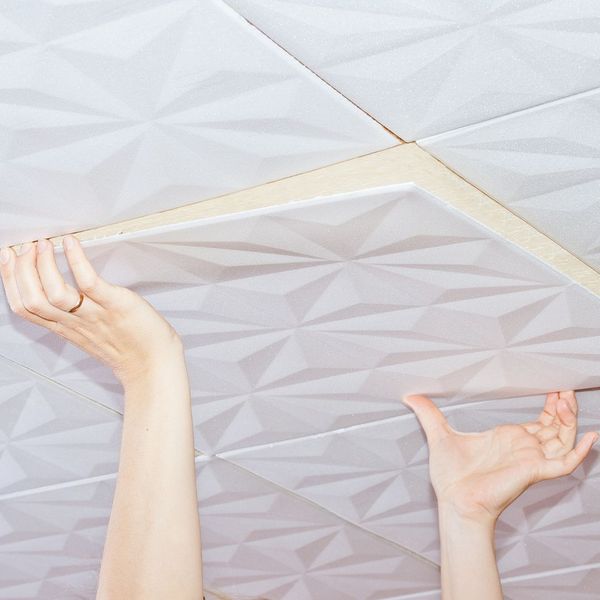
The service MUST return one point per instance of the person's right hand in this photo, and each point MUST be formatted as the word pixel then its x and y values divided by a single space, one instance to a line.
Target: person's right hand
pixel 478 475
pixel 113 324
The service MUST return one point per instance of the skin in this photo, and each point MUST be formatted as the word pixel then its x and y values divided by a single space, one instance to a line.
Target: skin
pixel 477 475
pixel 152 549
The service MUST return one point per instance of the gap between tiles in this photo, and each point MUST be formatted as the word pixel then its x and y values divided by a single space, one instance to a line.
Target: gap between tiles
pixel 57 486
pixel 71 391
pixel 575 259
pixel 397 418
pixel 57 383
pixel 510 115
pixel 305 500
pixel 295 58
pixel 551 573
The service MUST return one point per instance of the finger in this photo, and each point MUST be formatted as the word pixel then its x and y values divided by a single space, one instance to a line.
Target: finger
pixel 571 399
pixel 548 413
pixel 88 281
pixel 532 427
pixel 557 467
pixel 567 432
pixel 545 434
pixel 30 288
pixel 12 292
pixel 432 420
pixel 59 293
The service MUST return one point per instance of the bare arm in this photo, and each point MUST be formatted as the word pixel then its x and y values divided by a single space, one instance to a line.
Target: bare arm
pixel 477 475
pixel 152 548
pixel 469 570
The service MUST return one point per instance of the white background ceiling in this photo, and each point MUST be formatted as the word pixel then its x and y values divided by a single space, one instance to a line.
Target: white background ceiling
pixel 304 325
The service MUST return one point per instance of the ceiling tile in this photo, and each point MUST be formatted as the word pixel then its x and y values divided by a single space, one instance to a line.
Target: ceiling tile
pixel 578 584
pixel 543 164
pixel 51 542
pixel 257 540
pixel 425 67
pixel 114 110
pixel 376 476
pixel 50 436
pixel 321 314
pixel 261 541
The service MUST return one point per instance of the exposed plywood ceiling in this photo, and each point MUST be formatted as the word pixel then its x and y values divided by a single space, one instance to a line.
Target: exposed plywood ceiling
pixel 306 314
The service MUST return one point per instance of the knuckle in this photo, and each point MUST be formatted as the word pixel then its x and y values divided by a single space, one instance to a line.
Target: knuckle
pixel 33 304
pixel 56 296
pixel 88 284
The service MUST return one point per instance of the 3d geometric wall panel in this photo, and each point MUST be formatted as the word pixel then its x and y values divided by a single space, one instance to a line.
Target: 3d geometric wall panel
pixel 117 109
pixel 543 164
pixel 305 321
pixel 321 314
pixel 422 68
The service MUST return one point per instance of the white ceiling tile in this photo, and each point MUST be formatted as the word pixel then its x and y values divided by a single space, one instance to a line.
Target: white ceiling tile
pixel 542 164
pixel 577 584
pixel 50 436
pixel 321 314
pixel 51 542
pixel 262 542
pixel 258 540
pixel 376 476
pixel 116 109
pixel 425 67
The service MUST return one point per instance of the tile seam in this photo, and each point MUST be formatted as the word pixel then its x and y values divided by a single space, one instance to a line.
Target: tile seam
pixel 321 508
pixel 300 62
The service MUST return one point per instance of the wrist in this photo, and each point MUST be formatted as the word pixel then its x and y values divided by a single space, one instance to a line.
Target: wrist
pixel 154 367
pixel 467 516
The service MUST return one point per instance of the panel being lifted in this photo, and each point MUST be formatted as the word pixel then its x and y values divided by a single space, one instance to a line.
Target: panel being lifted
pixel 322 313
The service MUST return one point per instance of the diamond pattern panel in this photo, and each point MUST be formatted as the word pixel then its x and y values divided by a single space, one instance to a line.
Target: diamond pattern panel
pixel 50 436
pixel 321 314
pixel 377 476
pixel 110 110
pixel 421 68
pixel 258 541
pixel 543 164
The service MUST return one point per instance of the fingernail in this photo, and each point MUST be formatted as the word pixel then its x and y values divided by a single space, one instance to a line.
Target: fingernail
pixel 42 245
pixel 4 256
pixel 25 248
pixel 68 242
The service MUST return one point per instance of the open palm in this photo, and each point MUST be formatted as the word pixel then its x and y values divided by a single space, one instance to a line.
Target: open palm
pixel 480 474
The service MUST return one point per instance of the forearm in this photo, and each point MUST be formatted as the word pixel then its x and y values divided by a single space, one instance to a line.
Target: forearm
pixel 469 570
pixel 152 549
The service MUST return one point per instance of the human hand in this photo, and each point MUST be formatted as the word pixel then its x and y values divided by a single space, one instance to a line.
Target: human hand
pixel 113 323
pixel 477 475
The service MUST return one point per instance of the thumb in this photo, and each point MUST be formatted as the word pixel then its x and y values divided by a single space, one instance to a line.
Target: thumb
pixel 429 415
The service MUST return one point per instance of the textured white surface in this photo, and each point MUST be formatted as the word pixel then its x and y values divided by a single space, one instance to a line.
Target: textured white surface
pixel 377 476
pixel 321 314
pixel 304 324
pixel 425 67
pixel 543 164
pixel 110 110
pixel 259 541
pixel 49 435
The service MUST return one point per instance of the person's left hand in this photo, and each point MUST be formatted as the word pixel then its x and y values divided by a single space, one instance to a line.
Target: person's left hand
pixel 479 474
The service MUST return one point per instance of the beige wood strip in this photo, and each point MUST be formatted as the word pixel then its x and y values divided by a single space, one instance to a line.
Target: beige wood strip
pixel 402 163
